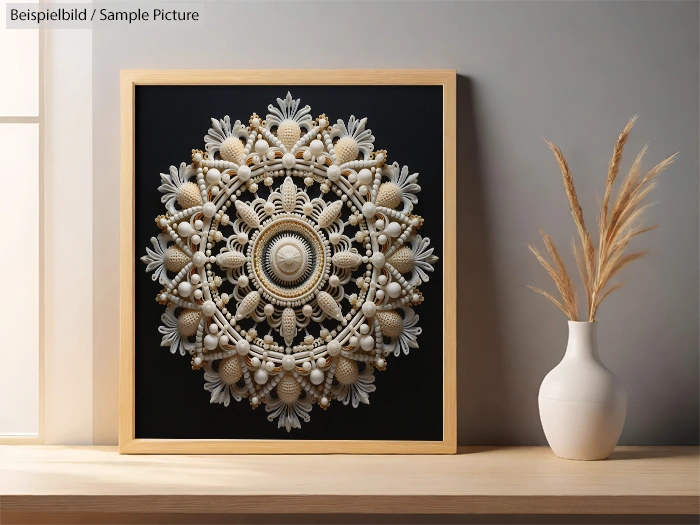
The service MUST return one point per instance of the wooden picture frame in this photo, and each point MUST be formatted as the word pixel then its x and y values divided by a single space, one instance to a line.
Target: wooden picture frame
pixel 128 443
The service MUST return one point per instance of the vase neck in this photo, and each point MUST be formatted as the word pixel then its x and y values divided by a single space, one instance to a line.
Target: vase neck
pixel 583 340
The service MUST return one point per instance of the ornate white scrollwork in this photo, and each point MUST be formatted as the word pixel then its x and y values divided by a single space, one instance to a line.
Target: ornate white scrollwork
pixel 324 257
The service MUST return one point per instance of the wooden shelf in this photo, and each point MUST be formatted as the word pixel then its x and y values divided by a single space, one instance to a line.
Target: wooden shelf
pixel 47 480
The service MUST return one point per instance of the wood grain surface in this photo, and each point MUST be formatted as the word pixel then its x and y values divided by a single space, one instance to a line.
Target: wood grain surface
pixel 46 480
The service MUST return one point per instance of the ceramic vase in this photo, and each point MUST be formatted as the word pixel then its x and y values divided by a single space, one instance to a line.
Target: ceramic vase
pixel 582 403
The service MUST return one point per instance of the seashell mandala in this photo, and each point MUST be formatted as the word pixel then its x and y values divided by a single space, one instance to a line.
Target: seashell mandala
pixel 290 261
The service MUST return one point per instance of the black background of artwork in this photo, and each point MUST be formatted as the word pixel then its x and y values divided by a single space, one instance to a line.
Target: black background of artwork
pixel 171 402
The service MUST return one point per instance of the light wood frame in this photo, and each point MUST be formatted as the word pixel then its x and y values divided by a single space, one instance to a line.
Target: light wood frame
pixel 128 444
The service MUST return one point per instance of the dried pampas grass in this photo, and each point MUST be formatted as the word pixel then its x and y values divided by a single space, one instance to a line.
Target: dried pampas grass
pixel 617 226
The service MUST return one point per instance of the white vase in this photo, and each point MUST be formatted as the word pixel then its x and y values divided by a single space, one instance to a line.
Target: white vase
pixel 582 403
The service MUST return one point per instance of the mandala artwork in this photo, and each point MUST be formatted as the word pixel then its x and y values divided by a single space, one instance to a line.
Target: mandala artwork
pixel 290 261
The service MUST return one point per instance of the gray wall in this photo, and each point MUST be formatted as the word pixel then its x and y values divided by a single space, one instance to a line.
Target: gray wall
pixel 573 72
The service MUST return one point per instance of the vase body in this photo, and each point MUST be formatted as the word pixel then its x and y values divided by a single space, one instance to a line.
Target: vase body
pixel 582 403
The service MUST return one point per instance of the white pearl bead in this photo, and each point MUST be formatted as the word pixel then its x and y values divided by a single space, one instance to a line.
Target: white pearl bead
pixel 184 289
pixel 269 309
pixel 369 309
pixel 269 208
pixel 197 361
pixel 254 400
pixel 382 239
pixel 364 329
pixel 198 294
pixel 316 147
pixel 367 342
pixel 333 173
pixel 196 239
pixel 321 362
pixel 394 229
pixel 369 210
pixel 334 238
pixel 382 279
pixel 353 341
pixel 269 366
pixel 365 176
pixel 306 366
pixel 198 224
pixel 324 401
pixel 211 342
pixel 288 362
pixel 243 281
pixel 352 178
pixel 194 279
pixel 209 209
pixel 199 258
pixel 261 376
pixel 380 295
pixel 208 308
pixel 242 238
pixel 255 362
pixel 379 224
pixel 213 328
pixel 378 259
pixel 242 347
pixel 288 160
pixel 223 340
pixel 333 348
pixel 261 147
pixel 380 362
pixel 307 154
pixel 307 310
pixel 184 229
pixel 394 290
pixel 213 176
pixel 308 208
pixel 316 376
pixel 197 157
pixel 334 281
pixel 243 173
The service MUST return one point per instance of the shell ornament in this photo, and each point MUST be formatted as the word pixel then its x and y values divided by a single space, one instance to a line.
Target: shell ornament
pixel 290 261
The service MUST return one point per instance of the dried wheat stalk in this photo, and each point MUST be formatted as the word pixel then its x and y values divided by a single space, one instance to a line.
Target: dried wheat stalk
pixel 617 226
pixel 559 275
pixel 585 258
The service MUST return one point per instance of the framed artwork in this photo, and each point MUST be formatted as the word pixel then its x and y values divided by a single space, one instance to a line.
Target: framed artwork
pixel 288 262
